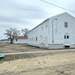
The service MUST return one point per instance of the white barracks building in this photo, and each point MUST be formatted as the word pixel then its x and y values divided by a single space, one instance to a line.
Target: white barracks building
pixel 54 33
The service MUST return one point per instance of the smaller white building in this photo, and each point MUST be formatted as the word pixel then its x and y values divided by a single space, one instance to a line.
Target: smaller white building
pixel 20 40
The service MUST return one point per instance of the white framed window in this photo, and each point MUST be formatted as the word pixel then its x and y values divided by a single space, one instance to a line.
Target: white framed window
pixel 66 24
pixel 41 37
pixel 36 38
pixel 36 30
pixel 66 36
pixel 42 28
pixel 16 39
pixel 46 26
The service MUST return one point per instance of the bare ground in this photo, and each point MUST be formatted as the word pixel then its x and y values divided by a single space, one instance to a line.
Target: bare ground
pixel 58 62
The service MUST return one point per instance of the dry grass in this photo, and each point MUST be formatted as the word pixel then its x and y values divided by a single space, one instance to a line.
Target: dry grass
pixel 13 48
pixel 55 63
pixel 58 64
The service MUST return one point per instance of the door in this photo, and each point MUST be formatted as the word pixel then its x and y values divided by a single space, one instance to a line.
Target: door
pixel 66 40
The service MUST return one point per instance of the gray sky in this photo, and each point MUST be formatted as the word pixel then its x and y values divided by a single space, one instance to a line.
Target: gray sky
pixel 29 13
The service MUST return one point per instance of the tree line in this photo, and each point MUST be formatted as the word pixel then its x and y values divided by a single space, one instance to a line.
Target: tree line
pixel 10 33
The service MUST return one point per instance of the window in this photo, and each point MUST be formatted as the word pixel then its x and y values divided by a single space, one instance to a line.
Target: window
pixel 46 26
pixel 41 37
pixel 67 36
pixel 36 38
pixel 64 36
pixel 66 24
pixel 36 30
pixel 42 28
pixel 16 39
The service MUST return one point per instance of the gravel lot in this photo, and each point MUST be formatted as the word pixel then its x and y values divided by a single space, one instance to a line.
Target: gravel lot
pixel 56 62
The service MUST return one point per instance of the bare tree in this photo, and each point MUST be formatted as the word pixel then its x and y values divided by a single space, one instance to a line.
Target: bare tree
pixel 25 31
pixel 10 33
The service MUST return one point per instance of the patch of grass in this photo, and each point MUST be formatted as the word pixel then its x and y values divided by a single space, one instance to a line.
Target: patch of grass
pixel 3 45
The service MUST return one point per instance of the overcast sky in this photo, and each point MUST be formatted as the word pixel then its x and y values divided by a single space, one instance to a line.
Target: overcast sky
pixel 29 13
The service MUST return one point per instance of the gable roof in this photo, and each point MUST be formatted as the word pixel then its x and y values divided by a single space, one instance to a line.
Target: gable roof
pixel 20 37
pixel 39 25
pixel 48 19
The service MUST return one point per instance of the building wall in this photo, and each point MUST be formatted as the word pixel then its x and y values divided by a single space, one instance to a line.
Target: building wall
pixel 38 35
pixel 44 32
pixel 62 30
pixel 20 41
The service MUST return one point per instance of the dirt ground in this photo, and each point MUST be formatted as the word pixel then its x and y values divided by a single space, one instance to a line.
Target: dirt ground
pixel 60 63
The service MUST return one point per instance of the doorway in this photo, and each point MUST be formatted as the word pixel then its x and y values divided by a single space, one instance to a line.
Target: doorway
pixel 66 47
pixel 66 40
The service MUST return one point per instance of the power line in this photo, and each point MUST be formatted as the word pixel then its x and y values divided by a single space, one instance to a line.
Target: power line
pixel 57 6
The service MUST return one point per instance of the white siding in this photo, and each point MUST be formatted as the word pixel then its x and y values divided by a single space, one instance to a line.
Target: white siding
pixel 44 34
pixel 20 41
pixel 41 34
